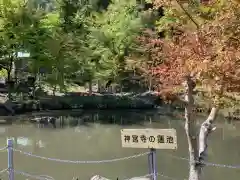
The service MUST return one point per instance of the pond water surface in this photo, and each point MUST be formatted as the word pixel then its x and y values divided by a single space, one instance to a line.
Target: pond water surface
pixel 96 136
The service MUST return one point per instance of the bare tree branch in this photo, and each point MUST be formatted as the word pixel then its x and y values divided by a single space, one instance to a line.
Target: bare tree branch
pixel 206 128
pixel 188 14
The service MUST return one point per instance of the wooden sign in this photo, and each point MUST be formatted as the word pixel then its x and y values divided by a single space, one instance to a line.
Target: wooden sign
pixel 149 138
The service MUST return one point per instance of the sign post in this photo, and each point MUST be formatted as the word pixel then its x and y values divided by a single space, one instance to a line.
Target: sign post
pixel 152 139
pixel 152 164
pixel 10 159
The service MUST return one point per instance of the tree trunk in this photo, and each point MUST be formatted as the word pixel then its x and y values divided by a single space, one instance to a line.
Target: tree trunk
pixel 54 90
pixel 150 83
pixel 9 70
pixel 8 75
pixel 90 87
pixel 190 128
pixel 197 149
pixel 99 84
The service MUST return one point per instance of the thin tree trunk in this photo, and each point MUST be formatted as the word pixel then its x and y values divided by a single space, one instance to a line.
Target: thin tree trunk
pixel 54 90
pixel 99 86
pixel 9 70
pixel 190 128
pixel 150 83
pixel 197 149
pixel 90 87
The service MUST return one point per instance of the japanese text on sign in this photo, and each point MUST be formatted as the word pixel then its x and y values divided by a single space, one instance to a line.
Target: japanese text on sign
pixel 149 138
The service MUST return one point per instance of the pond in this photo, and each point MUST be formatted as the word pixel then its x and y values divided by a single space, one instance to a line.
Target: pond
pixel 96 136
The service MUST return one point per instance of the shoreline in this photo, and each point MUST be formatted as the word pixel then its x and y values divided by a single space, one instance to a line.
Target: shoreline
pixel 60 105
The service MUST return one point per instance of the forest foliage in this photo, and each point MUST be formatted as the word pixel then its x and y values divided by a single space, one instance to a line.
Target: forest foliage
pixel 154 44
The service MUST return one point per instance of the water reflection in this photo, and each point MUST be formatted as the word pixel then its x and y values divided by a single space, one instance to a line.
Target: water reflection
pixel 122 118
pixel 94 135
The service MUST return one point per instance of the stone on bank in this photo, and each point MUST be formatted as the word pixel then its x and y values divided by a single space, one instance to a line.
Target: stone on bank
pixel 97 177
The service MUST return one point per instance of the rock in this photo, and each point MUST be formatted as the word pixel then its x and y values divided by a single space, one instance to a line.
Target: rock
pixel 6 104
pixel 140 178
pixel 3 121
pixel 4 111
pixel 44 120
pixel 8 108
pixel 97 177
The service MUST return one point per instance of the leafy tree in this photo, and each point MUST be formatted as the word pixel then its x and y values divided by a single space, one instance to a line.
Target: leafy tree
pixel 59 51
pixel 25 28
pixel 103 37
pixel 206 57
pixel 75 22
pixel 14 21
pixel 115 30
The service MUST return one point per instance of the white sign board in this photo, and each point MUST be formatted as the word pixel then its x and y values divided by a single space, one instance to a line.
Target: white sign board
pixel 149 138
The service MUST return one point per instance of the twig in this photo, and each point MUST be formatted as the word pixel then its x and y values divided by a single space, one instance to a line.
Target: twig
pixel 188 14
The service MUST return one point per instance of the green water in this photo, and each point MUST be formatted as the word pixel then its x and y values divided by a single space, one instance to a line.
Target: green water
pixel 96 136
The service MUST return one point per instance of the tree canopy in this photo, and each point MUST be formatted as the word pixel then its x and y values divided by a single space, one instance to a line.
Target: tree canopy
pixel 85 41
